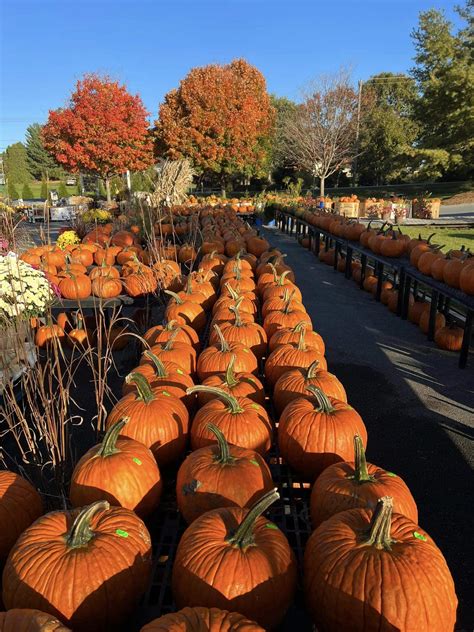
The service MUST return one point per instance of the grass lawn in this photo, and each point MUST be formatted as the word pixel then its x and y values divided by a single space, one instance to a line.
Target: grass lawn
pixel 36 188
pixel 452 238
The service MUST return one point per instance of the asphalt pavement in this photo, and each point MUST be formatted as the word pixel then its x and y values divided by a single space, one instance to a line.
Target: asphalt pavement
pixel 417 404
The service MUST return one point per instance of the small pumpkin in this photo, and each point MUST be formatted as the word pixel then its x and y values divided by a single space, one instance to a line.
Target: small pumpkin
pixel 449 337
pixel 106 287
pixel 105 554
pixel 358 484
pixel 120 470
pixel 312 435
pixel 49 334
pixel 235 559
pixel 181 353
pixel 75 286
pixel 243 422
pixel 249 333
pixel 394 555
pixel 292 335
pixel 220 475
pixel 185 311
pixel 156 419
pixel 199 619
pixel 162 333
pixel 28 620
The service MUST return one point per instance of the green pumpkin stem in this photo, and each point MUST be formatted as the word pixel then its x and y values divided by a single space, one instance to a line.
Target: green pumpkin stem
pixel 234 406
pixel 235 309
pixel 233 293
pixel 281 279
pixel 108 446
pixel 325 405
pixel 157 363
pixel 170 325
pixel 379 532
pixel 301 341
pixel 80 534
pixel 243 536
pixel 361 473
pixel 299 326
pixel 312 371
pixel 230 378
pixel 168 346
pixel 224 345
pixel 143 386
pixel 224 456
pixel 177 298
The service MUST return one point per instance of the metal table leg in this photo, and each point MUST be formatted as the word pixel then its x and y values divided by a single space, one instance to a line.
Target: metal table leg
pixel 348 270
pixel 466 340
pixel 401 288
pixel 363 260
pixel 406 297
pixel 433 310
pixel 379 273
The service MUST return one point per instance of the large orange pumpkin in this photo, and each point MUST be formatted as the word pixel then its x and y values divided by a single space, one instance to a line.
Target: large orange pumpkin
pixel 312 435
pixel 185 311
pixel 358 560
pixel 248 332
pixel 215 358
pixel 75 286
pixel 220 475
pixel 358 484
pixel 292 356
pixel 20 505
pixel 156 419
pixel 243 422
pixel 162 333
pixel 121 471
pixel 292 335
pixel 294 384
pixel 103 559
pixel 238 385
pixel 236 559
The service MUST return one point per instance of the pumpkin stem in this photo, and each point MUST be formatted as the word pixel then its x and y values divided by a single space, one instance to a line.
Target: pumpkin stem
pixel 236 311
pixel 177 298
pixel 361 473
pixel 224 454
pixel 379 532
pixel 243 536
pixel 108 446
pixel 312 371
pixel 168 346
pixel 230 378
pixel 301 341
pixel 143 386
pixel 234 406
pixel 80 534
pixel 325 405
pixel 233 293
pixel 299 326
pixel 224 345
pixel 282 277
pixel 170 325
pixel 157 363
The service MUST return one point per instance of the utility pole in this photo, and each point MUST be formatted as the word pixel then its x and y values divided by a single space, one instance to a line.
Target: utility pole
pixel 359 107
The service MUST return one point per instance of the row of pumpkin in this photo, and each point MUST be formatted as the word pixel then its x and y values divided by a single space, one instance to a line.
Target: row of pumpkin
pixel 231 557
pixel 455 268
pixel 447 334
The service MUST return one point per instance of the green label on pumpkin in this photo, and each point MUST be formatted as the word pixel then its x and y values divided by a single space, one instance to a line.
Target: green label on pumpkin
pixel 419 536
pixel 121 533
pixel 390 474
pixel 270 525
pixel 254 462
pixel 245 350
pixel 256 406
pixel 166 393
pixel 180 371
pixel 136 460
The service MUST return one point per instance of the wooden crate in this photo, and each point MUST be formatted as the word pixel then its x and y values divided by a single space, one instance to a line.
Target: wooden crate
pixel 348 209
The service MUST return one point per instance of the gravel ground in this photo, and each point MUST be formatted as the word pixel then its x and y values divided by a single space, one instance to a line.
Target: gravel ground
pixel 417 405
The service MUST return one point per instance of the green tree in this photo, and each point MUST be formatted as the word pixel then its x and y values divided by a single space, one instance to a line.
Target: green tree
pixel 16 166
pixel 26 193
pixel 40 161
pixel 444 73
pixel 388 130
pixel 12 191
pixel 62 191
pixel 44 188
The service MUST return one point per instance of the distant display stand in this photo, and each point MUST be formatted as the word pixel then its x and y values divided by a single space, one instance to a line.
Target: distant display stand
pixel 62 213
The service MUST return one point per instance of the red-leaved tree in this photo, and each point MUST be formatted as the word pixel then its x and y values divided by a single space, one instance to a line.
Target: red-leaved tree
pixel 103 131
pixel 219 117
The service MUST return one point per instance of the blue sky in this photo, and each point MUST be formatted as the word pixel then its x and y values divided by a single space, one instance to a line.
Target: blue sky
pixel 46 45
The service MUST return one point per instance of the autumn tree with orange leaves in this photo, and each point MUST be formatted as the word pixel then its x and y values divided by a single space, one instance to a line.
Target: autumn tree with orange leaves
pixel 103 131
pixel 220 117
